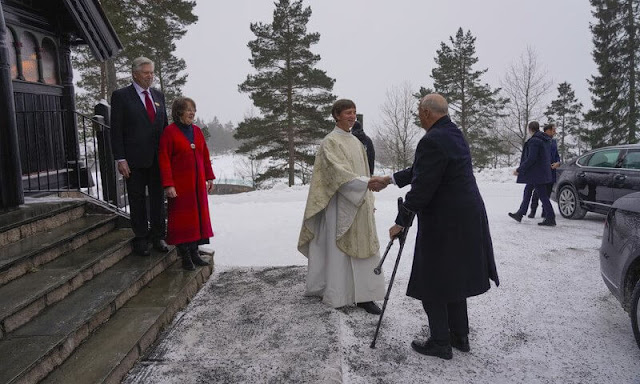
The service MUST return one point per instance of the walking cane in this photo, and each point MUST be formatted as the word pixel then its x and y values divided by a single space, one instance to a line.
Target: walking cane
pixel 402 236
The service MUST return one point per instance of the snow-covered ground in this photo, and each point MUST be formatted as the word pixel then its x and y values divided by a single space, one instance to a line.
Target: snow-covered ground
pixel 552 320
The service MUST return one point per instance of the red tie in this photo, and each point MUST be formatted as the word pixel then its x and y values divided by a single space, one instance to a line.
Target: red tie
pixel 147 102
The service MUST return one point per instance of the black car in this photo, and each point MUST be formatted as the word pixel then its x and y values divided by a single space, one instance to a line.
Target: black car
pixel 593 181
pixel 620 255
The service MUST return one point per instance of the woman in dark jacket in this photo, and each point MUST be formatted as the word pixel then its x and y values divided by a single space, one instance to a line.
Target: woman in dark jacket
pixel 535 172
pixel 185 168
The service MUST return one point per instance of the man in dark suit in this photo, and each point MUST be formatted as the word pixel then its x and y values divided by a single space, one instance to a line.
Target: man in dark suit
pixel 535 172
pixel 549 130
pixel 358 131
pixel 138 117
pixel 453 257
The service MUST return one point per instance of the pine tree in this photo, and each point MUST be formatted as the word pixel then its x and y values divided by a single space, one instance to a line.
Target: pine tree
pixel 566 112
pixel 293 96
pixel 474 106
pixel 615 90
pixel 159 23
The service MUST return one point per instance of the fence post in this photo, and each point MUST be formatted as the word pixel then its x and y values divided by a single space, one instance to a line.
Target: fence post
pixel 112 181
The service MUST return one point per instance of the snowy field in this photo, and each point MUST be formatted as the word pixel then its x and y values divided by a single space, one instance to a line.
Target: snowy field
pixel 552 320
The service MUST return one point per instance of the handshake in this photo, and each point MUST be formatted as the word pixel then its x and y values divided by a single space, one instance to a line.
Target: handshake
pixel 378 183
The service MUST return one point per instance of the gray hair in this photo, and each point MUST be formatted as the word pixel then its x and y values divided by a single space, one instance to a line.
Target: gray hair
pixel 435 103
pixel 139 62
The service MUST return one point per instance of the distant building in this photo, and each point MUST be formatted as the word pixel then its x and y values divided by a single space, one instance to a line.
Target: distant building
pixel 38 129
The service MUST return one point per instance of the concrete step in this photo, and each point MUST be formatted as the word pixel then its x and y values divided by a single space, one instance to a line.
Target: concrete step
pixel 34 218
pixel 21 257
pixel 32 351
pixel 22 299
pixel 113 349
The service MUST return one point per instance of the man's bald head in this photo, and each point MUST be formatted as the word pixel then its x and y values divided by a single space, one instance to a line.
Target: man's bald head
pixel 432 107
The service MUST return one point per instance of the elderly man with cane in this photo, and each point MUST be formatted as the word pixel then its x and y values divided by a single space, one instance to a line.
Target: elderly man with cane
pixel 453 257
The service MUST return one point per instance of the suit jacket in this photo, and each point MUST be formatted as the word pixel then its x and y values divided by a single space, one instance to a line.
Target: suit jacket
pixel 133 136
pixel 453 256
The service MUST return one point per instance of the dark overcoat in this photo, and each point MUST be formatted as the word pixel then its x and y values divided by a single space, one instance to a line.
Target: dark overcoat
pixel 535 162
pixel 133 136
pixel 555 158
pixel 187 169
pixel 453 256
pixel 358 132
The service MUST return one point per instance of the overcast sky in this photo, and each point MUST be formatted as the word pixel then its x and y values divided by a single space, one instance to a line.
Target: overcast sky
pixel 369 46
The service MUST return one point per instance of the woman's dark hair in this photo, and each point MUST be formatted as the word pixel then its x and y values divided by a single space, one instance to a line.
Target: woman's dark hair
pixel 534 126
pixel 179 106
pixel 340 106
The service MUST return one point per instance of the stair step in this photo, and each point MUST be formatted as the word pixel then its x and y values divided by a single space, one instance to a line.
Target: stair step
pixel 52 336
pixel 30 219
pixel 113 349
pixel 22 256
pixel 24 298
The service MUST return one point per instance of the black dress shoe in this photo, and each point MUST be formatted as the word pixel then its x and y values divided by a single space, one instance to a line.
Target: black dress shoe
pixel 532 214
pixel 460 343
pixel 548 222
pixel 140 250
pixel 195 258
pixel 516 216
pixel 370 307
pixel 433 348
pixel 160 245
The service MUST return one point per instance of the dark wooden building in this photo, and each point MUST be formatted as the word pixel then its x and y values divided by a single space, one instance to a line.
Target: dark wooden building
pixel 38 128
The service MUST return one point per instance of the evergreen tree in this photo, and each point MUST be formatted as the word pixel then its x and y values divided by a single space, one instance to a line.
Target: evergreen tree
pixel 474 106
pixel 566 112
pixel 159 23
pixel 615 96
pixel 292 95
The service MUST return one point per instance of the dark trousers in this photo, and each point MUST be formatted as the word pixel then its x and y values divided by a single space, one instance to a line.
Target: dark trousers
pixel 535 198
pixel 445 318
pixel 541 190
pixel 140 179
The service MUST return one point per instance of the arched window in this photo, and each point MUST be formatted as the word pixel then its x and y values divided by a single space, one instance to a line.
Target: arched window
pixel 29 57
pixel 12 54
pixel 49 62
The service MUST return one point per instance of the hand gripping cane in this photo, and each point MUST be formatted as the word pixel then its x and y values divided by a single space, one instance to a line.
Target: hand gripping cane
pixel 402 236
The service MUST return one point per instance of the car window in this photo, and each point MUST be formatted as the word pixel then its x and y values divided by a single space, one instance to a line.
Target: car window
pixel 631 160
pixel 604 159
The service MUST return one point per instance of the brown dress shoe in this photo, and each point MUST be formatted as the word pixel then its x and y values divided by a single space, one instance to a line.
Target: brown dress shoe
pixel 433 348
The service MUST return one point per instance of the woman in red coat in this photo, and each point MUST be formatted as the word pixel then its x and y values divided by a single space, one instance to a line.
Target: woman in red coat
pixel 187 176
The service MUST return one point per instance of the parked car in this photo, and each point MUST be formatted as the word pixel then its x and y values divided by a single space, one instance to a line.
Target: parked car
pixel 593 181
pixel 620 255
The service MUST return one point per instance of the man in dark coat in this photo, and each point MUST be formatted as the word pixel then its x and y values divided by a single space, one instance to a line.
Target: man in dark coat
pixel 138 117
pixel 358 132
pixel 549 130
pixel 535 172
pixel 453 257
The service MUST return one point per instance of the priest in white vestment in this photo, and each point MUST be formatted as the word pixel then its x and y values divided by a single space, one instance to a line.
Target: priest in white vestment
pixel 338 233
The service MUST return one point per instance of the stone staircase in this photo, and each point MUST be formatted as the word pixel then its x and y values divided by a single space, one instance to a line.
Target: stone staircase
pixel 76 305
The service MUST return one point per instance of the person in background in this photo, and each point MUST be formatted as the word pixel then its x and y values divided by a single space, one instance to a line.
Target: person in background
pixel 187 176
pixel 358 131
pixel 549 130
pixel 138 116
pixel 535 172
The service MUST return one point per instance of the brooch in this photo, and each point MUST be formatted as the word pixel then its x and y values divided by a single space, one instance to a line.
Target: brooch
pixel 193 146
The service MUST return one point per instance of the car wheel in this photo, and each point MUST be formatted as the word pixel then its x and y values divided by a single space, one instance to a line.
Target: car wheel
pixel 635 312
pixel 569 204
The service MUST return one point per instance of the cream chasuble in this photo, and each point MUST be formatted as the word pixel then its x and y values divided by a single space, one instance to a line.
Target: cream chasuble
pixel 338 234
